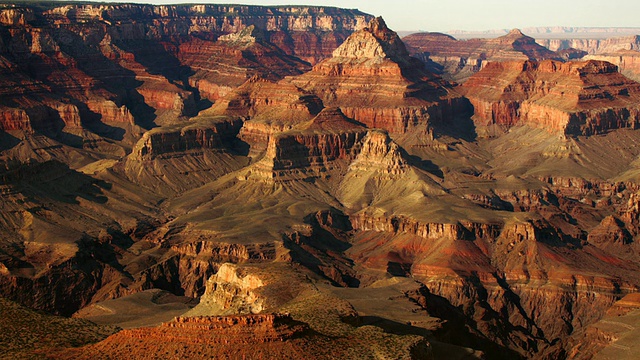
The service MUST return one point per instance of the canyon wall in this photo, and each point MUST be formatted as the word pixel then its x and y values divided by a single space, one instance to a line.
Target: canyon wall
pixel 461 59
pixel 70 68
pixel 593 46
pixel 554 96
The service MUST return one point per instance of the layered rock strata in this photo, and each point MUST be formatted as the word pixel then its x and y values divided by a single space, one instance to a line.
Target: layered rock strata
pixel 264 335
pixel 461 59
pixel 309 32
pixel 627 61
pixel 372 78
pixel 284 198
pixel 576 98
pixel 593 46
pixel 87 73
pixel 313 150
pixel 227 63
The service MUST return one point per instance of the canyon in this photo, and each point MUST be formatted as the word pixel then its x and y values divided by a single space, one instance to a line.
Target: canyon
pixel 289 182
pixel 464 55
pixel 463 58
pixel 571 98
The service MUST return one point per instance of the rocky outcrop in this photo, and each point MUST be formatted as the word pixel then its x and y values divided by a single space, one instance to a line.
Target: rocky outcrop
pixel 266 335
pixel 110 112
pixel 627 61
pixel 41 117
pixel 374 81
pixel 308 32
pixel 379 152
pixel 233 291
pixel 270 327
pixel 268 101
pixel 399 224
pixel 181 139
pixel 146 64
pixel 227 63
pixel 577 98
pixel 203 150
pixel 314 150
pixel 461 59
pixel 268 108
pixel 610 232
pixel 16 16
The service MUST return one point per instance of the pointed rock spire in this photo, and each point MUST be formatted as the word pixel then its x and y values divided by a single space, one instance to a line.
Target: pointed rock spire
pixel 332 119
pixel 516 33
pixel 374 41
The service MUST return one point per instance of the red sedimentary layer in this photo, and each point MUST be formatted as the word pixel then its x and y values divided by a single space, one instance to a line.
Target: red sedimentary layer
pixel 264 336
pixel 628 61
pixel 462 58
pixel 230 61
pixel 571 98
pixel 374 81
pixel 142 58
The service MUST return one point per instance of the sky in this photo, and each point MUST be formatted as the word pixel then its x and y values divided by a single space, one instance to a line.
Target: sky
pixel 444 15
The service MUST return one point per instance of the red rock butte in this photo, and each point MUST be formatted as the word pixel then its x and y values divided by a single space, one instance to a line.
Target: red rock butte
pixel 463 58
pixel 264 335
pixel 577 98
pixel 372 78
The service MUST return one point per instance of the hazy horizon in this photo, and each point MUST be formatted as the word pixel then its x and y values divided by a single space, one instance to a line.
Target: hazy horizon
pixel 473 15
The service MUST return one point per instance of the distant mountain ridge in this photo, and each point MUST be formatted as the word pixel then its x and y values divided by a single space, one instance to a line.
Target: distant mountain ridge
pixel 550 32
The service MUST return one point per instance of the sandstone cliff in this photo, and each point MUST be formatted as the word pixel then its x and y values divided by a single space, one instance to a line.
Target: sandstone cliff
pixel 461 59
pixel 573 98
pixel 227 63
pixel 90 73
pixel 308 32
pixel 312 150
pixel 593 46
pixel 374 81
pixel 627 61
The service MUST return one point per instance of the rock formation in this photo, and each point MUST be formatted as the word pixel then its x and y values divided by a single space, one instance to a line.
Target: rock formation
pixel 577 98
pixel 374 81
pixel 270 335
pixel 461 59
pixel 289 28
pixel 87 74
pixel 227 63
pixel 359 199
pixel 627 61
pixel 594 45
pixel 312 150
